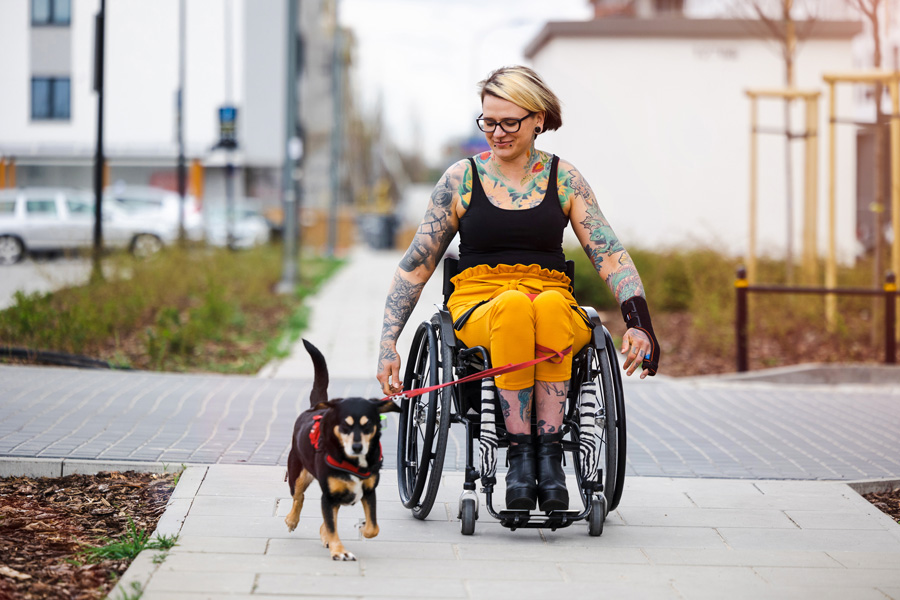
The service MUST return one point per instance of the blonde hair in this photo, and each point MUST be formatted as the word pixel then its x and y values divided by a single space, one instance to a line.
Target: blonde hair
pixel 525 88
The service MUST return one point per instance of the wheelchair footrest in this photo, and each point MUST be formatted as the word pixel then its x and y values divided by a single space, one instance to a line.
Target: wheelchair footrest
pixel 514 519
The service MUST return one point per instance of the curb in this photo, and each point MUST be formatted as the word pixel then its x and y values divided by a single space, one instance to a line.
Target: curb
pixel 60 467
pixel 138 574
pixel 878 486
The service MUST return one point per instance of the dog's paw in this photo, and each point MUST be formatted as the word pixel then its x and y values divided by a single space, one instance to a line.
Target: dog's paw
pixel 343 556
pixel 291 523
pixel 369 531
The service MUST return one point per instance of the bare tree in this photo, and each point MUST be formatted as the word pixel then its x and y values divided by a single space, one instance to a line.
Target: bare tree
pixel 777 20
pixel 870 10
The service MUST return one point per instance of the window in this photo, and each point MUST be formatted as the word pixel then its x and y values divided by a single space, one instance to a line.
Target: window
pixel 50 98
pixel 7 207
pixel 51 12
pixel 40 208
pixel 79 206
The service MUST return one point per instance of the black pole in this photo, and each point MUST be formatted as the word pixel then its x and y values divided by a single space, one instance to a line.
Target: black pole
pixel 890 318
pixel 182 169
pixel 99 35
pixel 740 286
pixel 293 150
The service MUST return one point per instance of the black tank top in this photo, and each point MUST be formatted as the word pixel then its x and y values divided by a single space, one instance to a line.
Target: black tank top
pixel 489 235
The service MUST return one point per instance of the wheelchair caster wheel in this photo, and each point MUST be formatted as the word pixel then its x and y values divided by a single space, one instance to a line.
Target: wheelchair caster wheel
pixel 468 512
pixel 597 516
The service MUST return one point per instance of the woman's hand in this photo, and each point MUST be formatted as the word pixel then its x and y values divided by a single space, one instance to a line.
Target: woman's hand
pixel 389 369
pixel 636 346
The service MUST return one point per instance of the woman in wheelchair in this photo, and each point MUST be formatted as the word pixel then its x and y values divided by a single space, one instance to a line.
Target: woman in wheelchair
pixel 510 206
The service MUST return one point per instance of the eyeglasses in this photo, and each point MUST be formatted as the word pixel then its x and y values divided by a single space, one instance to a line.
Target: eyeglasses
pixel 507 125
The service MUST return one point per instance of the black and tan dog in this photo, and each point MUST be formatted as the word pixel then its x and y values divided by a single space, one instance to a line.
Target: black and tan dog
pixel 336 442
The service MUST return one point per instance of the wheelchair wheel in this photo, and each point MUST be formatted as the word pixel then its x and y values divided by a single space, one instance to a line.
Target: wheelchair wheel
pixel 597 516
pixel 621 437
pixel 603 369
pixel 467 515
pixel 424 422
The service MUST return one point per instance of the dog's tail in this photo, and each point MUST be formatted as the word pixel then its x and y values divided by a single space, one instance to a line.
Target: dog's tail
pixel 319 394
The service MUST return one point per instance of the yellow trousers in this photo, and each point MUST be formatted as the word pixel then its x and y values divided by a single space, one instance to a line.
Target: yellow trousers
pixel 527 306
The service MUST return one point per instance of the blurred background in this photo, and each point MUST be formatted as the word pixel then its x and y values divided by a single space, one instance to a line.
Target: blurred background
pixel 655 108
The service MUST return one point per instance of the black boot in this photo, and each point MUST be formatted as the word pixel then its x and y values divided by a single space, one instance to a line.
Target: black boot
pixel 521 490
pixel 552 492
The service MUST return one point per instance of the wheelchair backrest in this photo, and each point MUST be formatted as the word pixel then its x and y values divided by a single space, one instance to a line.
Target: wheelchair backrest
pixel 451 270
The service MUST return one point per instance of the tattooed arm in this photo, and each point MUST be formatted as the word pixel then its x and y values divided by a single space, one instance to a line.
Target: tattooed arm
pixel 606 252
pixel 434 234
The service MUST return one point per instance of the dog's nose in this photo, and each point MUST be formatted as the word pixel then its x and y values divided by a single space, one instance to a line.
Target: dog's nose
pixel 357 447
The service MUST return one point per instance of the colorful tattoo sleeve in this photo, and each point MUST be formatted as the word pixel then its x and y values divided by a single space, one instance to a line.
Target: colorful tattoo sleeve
pixel 601 245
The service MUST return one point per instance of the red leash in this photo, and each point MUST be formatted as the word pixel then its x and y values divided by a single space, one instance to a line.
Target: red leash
pixel 553 355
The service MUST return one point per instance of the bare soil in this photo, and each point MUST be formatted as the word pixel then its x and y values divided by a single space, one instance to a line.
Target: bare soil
pixel 47 523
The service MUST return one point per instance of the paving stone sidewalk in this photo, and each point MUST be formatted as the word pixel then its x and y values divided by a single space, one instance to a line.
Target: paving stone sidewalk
pixel 670 538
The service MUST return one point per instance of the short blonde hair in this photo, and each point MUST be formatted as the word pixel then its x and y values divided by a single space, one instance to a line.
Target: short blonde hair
pixel 525 88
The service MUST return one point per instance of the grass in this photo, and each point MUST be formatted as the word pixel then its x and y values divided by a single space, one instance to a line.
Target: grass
pixel 198 309
pixel 127 547
pixel 700 282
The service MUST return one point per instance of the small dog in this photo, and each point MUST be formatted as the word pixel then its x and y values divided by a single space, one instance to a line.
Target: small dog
pixel 336 442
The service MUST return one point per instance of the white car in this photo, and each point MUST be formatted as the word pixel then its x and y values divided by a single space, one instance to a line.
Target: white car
pixel 154 214
pixel 249 229
pixel 59 219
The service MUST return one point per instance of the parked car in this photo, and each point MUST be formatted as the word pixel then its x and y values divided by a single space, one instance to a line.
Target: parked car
pixel 58 219
pixel 250 227
pixel 155 212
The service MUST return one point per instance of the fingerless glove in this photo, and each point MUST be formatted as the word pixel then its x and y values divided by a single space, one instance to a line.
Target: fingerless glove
pixel 637 316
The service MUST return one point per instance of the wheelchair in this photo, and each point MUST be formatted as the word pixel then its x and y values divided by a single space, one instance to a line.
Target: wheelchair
pixel 593 425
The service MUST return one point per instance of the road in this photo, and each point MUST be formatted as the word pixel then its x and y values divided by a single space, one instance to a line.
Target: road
pixel 42 275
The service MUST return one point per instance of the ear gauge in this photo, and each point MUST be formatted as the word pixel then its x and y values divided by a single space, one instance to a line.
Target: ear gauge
pixel 537 129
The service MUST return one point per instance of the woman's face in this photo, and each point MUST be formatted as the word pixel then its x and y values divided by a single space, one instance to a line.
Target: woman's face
pixel 505 145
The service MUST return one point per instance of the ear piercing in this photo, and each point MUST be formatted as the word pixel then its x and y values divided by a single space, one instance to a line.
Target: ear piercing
pixel 537 129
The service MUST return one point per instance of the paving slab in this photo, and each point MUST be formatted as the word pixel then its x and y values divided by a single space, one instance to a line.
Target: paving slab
pixel 234 543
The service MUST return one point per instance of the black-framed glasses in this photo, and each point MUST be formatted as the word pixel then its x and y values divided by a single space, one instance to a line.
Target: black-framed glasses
pixel 507 125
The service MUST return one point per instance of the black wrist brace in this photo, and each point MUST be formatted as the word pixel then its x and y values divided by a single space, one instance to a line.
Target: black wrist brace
pixel 637 316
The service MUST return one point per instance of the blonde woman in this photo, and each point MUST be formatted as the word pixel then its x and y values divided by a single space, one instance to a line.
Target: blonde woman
pixel 510 206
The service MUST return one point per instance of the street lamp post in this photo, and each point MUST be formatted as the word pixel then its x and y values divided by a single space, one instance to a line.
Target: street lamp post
pixel 293 149
pixel 99 35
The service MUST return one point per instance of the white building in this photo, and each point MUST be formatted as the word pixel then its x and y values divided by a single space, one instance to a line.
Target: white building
pixel 235 55
pixel 657 119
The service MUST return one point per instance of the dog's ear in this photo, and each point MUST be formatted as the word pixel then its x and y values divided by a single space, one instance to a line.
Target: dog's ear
pixel 385 406
pixel 327 404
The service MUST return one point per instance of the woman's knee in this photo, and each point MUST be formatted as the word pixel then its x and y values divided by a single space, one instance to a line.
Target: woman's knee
pixel 514 305
pixel 551 302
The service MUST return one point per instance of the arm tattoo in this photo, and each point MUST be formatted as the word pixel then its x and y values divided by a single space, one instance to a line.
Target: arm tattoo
pixel 603 248
pixel 435 232
pixel 504 406
pixel 399 306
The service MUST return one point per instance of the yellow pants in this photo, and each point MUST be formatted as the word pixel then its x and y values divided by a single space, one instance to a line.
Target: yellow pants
pixel 527 307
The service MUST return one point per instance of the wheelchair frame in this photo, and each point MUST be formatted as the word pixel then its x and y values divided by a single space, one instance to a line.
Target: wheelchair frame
pixel 437 356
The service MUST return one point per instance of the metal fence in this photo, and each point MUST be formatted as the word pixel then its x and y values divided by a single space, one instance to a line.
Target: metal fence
pixel 743 289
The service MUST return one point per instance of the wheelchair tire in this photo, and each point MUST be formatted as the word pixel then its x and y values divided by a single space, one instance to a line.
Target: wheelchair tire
pixel 597 516
pixel 621 437
pixel 605 366
pixel 467 516
pixel 424 422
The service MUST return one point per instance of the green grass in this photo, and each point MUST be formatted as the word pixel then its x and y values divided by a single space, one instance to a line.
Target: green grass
pixel 128 546
pixel 700 281
pixel 196 309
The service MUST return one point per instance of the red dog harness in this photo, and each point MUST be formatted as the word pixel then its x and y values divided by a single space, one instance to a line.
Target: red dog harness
pixel 315 438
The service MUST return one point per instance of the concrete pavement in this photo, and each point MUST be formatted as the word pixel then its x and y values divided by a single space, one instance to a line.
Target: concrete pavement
pixel 720 497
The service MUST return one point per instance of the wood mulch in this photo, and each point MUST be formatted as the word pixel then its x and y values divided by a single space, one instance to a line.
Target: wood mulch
pixel 46 524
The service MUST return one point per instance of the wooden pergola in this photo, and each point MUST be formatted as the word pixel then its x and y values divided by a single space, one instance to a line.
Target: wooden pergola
pixel 811 171
pixel 890 79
